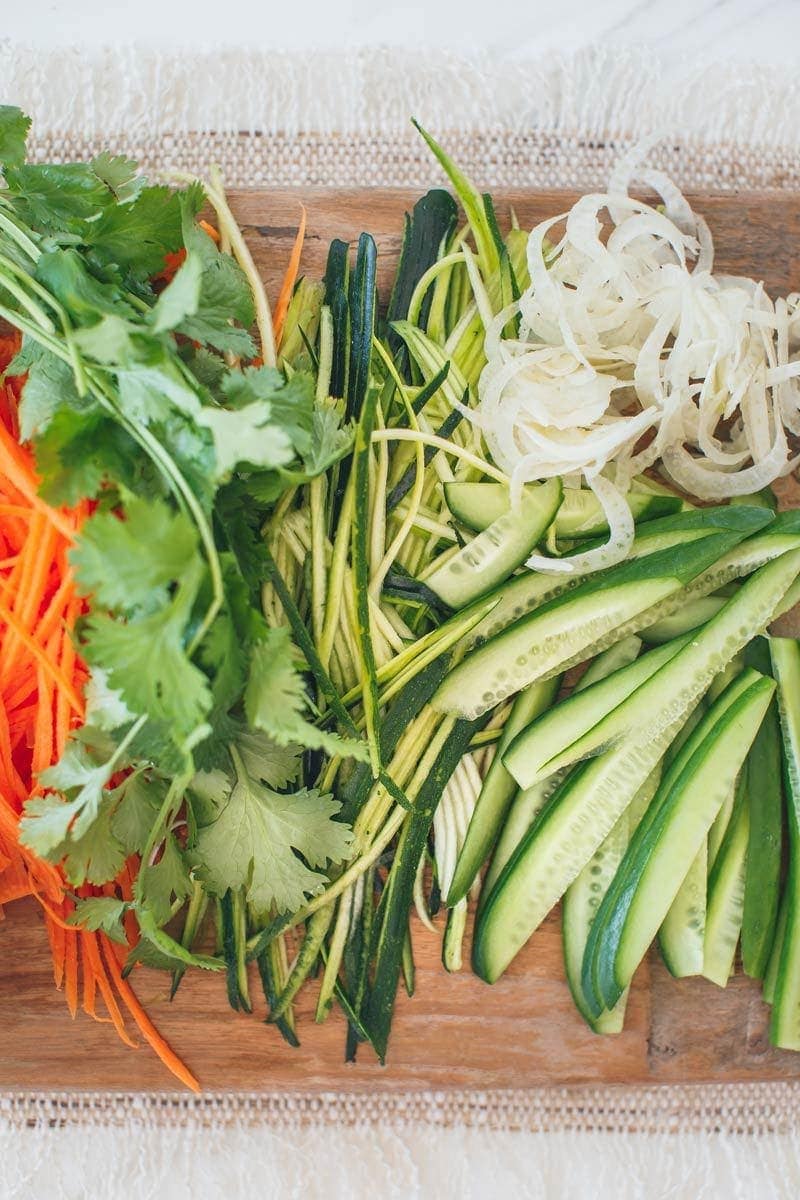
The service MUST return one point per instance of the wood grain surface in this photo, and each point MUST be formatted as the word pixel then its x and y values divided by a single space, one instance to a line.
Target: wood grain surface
pixel 456 1032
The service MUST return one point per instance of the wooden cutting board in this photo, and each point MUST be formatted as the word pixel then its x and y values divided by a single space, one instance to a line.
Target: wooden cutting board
pixel 456 1032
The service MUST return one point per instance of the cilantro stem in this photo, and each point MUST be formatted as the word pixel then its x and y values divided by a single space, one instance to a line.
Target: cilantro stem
pixel 19 236
pixel 241 252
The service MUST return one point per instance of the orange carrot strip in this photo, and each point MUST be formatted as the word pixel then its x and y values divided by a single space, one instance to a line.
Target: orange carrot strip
pixel 210 230
pixel 54 612
pixel 71 972
pixel 39 654
pixel 289 279
pixel 106 991
pixel 148 1030
pixel 89 979
pixel 16 464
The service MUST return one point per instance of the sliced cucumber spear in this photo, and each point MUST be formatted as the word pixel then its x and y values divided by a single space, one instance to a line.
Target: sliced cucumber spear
pixel 664 846
pixel 726 884
pixel 477 505
pixel 527 802
pixel 584 809
pixel 535 752
pixel 497 792
pixel 765 847
pixel 785 1023
pixel 597 613
pixel 493 555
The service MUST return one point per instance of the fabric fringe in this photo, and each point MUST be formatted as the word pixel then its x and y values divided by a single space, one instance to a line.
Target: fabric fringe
pixel 753 1109
pixel 398 1160
pixel 343 119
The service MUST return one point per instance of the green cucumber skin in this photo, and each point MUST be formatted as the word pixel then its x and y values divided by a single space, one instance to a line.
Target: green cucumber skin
pixel 785 1022
pixel 606 604
pixel 726 884
pixel 527 592
pixel 746 613
pixel 497 792
pixel 527 802
pixel 771 974
pixel 683 811
pixel 476 505
pixel 397 895
pixel 765 848
pixel 688 739
pixel 495 554
pixel 537 751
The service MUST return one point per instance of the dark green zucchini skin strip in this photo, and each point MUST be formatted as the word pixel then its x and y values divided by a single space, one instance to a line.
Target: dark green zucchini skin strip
pixel 337 273
pixel 762 887
pixel 431 222
pixel 396 899
pixel 271 996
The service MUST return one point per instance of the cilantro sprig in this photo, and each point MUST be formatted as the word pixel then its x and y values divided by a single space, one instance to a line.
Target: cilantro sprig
pixel 143 395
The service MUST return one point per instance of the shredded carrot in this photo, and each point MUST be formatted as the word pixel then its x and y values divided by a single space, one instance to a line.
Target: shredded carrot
pixel 289 279
pixel 145 1025
pixel 210 230
pixel 41 685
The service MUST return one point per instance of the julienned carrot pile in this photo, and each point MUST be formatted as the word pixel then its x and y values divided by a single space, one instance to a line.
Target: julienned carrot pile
pixel 41 686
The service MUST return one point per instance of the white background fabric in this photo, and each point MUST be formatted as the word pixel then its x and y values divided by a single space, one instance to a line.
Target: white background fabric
pixel 143 1161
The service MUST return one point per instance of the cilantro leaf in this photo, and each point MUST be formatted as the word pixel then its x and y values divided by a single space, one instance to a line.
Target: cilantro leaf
pixel 64 273
pixel 57 197
pixel 246 436
pixel 291 401
pixel 137 803
pixel 252 843
pixel 275 700
pixel 119 174
pixel 147 393
pixel 105 708
pixel 167 878
pixel 47 819
pixel 224 297
pixel 79 452
pixel 49 387
pixel 128 565
pixel 14 126
pixel 180 298
pixel 94 856
pixel 164 949
pixel 146 660
pixel 264 759
pixel 101 913
pixel 330 440
pixel 135 237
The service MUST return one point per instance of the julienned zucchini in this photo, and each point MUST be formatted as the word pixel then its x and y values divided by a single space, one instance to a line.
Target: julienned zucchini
pixel 580 514
pixel 497 791
pixel 584 809
pixel 664 845
pixel 493 555
pixel 785 1022
pixel 604 608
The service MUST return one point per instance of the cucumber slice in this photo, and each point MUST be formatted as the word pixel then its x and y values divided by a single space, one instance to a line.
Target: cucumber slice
pixel 726 885
pixel 582 900
pixel 706 653
pixel 494 554
pixel 477 505
pixel 693 614
pixel 785 1024
pixel 764 850
pixel 528 801
pixel 530 590
pixel 716 834
pixel 600 611
pixel 681 937
pixel 497 791
pixel 535 752
pixel 771 976
pixel 663 848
